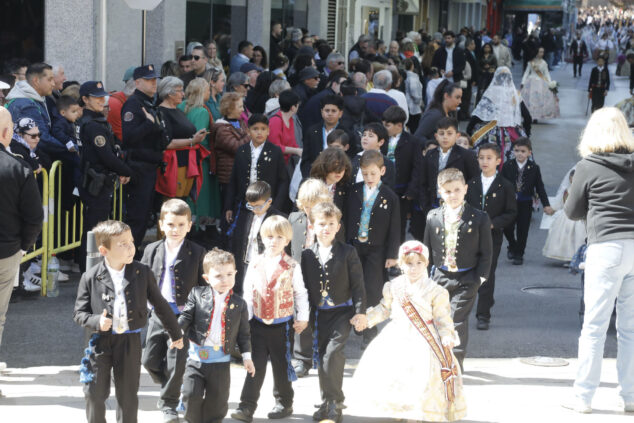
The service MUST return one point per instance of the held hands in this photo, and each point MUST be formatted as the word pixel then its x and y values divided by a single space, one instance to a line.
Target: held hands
pixel 248 365
pixel 104 322
pixel 549 210
pixel 299 326
pixel 360 322
pixel 148 115
pixel 390 263
pixel 178 344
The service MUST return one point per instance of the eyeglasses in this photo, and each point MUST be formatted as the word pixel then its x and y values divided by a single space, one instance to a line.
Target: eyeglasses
pixel 247 86
pixel 38 135
pixel 258 208
pixel 197 57
pixel 340 63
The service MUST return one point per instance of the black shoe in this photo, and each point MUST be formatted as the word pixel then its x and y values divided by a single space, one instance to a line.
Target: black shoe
pixel 279 412
pixel 510 255
pixel 170 416
pixel 321 413
pixel 301 369
pixel 518 261
pixel 333 413
pixel 244 415
pixel 483 324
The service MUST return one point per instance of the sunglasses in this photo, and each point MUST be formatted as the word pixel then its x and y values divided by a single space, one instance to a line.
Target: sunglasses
pixel 247 86
pixel 197 57
pixel 340 63
pixel 38 135
pixel 258 208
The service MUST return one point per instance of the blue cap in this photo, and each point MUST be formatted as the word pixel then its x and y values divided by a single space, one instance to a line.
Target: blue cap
pixel 248 67
pixel 92 89
pixel 128 73
pixel 145 72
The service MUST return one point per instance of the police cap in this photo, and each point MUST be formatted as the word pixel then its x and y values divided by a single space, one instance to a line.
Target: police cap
pixel 145 72
pixel 92 89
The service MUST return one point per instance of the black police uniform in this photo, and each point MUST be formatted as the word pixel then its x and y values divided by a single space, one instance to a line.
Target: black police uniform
pixel 143 142
pixel 100 164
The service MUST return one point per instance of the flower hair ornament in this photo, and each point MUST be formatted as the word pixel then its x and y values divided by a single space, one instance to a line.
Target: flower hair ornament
pixel 413 247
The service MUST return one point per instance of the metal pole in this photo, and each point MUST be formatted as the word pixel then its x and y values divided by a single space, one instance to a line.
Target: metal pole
pixel 143 35
pixel 92 252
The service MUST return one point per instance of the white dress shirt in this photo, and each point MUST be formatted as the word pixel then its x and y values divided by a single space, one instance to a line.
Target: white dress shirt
pixel 252 240
pixel 255 155
pixel 300 294
pixel 326 132
pixel 120 310
pixel 368 192
pixel 486 183
pixel 170 258
pixel 324 253
pixel 359 177
pixel 449 62
pixel 443 158
pixel 521 165
pixel 214 339
pixel 400 99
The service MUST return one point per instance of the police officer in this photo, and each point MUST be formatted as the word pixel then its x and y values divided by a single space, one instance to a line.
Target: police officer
pixel 143 142
pixel 101 163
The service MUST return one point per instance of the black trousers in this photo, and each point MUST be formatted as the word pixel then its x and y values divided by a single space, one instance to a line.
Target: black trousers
pixel 373 261
pixel 577 63
pixel 166 366
pixel 333 327
pixel 417 223
pixel 96 209
pixel 462 288
pixel 406 208
pixel 598 98
pixel 412 123
pixel 485 293
pixel 268 341
pixel 139 194
pixel 206 391
pixel 303 346
pixel 121 356
pixel 517 233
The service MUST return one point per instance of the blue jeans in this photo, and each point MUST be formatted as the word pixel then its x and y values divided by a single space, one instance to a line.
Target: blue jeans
pixel 609 276
pixel 549 57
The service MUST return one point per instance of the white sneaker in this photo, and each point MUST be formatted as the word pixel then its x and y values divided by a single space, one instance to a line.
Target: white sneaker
pixel 32 283
pixel 577 404
pixel 62 277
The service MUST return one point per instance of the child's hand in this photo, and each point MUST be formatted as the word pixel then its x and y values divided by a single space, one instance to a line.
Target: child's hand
pixel 104 322
pixel 299 327
pixel 248 364
pixel 360 322
pixel 178 344
pixel 229 216
pixel 449 345
pixel 549 210
pixel 390 263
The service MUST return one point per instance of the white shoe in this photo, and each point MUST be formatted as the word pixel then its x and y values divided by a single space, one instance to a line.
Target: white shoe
pixel 32 283
pixel 62 277
pixel 577 404
pixel 3 366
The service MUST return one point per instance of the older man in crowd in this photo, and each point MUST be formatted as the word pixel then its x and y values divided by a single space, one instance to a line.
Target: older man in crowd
pixel 21 215
pixel 377 100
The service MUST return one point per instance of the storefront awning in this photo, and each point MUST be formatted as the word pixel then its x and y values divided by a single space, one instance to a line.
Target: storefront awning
pixel 537 5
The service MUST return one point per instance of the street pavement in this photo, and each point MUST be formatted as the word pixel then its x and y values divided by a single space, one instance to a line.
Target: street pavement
pixel 536 314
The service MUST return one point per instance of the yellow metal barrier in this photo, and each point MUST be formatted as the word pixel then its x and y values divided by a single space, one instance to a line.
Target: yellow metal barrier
pixel 41 251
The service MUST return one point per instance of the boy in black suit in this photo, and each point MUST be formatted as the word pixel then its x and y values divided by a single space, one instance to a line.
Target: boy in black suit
pixel 496 196
pixel 215 320
pixel 334 279
pixel 374 139
pixel 259 160
pixel 373 227
pixel 527 177
pixel 406 152
pixel 112 302
pixel 244 235
pixel 599 84
pixel 447 155
pixel 315 136
pixel 459 239
pixel 177 264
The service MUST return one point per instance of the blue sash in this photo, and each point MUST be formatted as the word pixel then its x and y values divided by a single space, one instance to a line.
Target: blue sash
pixel 207 354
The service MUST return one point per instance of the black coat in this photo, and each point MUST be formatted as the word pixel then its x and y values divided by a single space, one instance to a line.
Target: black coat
pixel 389 178
pixel 459 158
pixel 408 157
pixel 474 246
pixel 141 137
pixel 342 273
pixel 385 220
pixel 311 111
pixel 531 181
pixel 21 214
pixel 583 49
pixel 96 292
pixel 271 169
pixel 499 201
pixel 240 234
pixel 314 145
pixel 195 320
pixel 428 124
pixel 599 80
pixel 99 146
pixel 440 61
pixel 188 267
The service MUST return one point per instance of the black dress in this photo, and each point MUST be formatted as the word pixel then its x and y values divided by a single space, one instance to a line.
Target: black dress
pixel 178 127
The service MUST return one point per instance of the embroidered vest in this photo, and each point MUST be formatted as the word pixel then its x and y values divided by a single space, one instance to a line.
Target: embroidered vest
pixel 273 299
pixel 366 213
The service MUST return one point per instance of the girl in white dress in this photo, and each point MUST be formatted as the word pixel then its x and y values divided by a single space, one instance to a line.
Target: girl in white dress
pixel 400 375
pixel 540 100
pixel 565 236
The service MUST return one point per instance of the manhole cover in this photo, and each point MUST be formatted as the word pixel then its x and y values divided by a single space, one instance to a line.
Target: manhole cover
pixel 544 291
pixel 544 361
